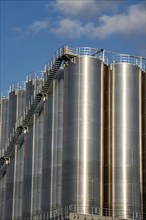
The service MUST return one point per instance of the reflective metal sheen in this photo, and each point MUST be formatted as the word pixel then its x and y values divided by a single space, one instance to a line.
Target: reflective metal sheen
pixel 28 143
pixel 57 142
pixel 37 158
pixel 10 168
pixel 18 161
pixel 123 186
pixel 4 108
pixel 144 139
pixel 47 148
pixel 82 134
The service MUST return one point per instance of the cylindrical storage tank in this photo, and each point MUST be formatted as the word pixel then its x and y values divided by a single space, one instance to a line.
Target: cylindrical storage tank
pixel 29 91
pixel 28 143
pixel 47 147
pixel 125 143
pixel 4 122
pixel 57 144
pixel 12 109
pixel 83 134
pixel 144 140
pixel 19 161
pixel 37 156
pixel 10 167
pixel 3 139
pixel 21 102
pixel 2 197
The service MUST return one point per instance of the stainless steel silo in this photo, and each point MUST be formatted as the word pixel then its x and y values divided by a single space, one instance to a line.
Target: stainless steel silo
pixel 144 140
pixel 4 103
pixel 37 156
pixel 19 160
pixel 47 148
pixel 83 134
pixel 123 185
pixel 10 167
pixel 29 91
pixel 4 122
pixel 2 197
pixel 12 109
pixel 28 143
pixel 57 143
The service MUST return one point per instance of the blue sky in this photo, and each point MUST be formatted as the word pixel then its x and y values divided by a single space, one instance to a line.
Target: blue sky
pixel 31 31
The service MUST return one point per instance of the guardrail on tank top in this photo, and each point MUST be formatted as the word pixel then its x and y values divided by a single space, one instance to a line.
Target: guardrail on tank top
pixel 73 212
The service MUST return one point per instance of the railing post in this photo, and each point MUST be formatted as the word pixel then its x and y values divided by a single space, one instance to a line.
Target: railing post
pixel 106 212
pixel 141 62
pixel 103 57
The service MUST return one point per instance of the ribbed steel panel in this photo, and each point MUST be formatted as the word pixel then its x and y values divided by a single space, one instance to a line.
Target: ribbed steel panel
pixel 57 142
pixel 83 134
pixel 10 168
pixel 19 162
pixel 123 185
pixel 144 139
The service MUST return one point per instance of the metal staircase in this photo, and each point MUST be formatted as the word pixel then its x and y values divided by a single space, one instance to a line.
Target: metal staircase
pixel 62 55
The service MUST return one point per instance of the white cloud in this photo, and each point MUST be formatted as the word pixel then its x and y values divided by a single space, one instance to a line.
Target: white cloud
pixel 129 23
pixel 83 8
pixel 69 28
pixel 37 26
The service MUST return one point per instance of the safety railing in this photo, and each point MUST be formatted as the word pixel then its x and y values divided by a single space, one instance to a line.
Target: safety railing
pixel 17 85
pixel 4 95
pixel 107 57
pixel 71 213
pixel 87 51
pixel 127 59
pixel 34 75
